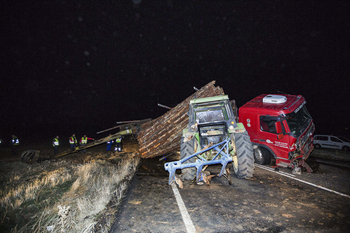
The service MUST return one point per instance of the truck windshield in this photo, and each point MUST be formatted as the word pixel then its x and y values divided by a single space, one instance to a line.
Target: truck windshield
pixel 208 116
pixel 299 121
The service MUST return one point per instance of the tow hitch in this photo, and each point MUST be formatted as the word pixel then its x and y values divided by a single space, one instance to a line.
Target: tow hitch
pixel 222 157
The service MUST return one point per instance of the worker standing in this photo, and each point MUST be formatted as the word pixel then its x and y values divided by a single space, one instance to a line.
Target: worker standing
pixel 73 142
pixel 118 144
pixel 83 141
pixel 55 144
pixel 109 144
pixel 14 144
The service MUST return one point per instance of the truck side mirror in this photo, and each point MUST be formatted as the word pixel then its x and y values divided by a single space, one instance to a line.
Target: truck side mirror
pixel 278 127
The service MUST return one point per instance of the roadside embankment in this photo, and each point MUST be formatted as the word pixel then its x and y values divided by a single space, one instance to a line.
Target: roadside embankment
pixel 332 154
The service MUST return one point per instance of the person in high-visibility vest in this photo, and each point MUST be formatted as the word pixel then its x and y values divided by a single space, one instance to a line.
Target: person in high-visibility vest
pixel 14 144
pixel 118 144
pixel 73 142
pixel 55 144
pixel 109 144
pixel 83 141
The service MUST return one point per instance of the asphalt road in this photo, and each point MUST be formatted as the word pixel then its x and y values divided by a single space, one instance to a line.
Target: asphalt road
pixel 271 202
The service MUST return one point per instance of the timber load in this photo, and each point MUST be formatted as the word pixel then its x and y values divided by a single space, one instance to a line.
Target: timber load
pixel 163 134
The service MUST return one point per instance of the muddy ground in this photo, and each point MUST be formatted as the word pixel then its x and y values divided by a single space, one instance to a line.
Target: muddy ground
pixel 267 203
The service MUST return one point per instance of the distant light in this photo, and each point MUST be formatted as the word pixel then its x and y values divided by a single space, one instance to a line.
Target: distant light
pixel 136 1
pixel 86 53
pixel 80 19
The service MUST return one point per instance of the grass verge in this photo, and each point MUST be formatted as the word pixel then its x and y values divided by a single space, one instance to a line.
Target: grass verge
pixel 64 196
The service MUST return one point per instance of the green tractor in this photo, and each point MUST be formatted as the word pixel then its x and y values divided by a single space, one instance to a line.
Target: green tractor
pixel 211 121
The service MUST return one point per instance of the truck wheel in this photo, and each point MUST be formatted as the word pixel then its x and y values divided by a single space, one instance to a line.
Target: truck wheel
pixel 317 146
pixel 262 156
pixel 187 149
pixel 243 162
pixel 345 148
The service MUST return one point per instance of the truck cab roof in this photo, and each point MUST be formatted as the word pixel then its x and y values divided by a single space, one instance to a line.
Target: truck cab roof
pixel 275 104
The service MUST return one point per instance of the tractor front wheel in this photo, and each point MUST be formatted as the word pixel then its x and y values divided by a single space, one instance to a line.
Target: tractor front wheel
pixel 243 161
pixel 187 149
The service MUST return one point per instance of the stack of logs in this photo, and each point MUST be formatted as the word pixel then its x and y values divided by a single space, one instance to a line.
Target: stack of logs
pixel 162 135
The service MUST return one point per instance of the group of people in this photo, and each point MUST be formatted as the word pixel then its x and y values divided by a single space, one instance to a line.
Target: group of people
pixel 118 144
pixel 73 142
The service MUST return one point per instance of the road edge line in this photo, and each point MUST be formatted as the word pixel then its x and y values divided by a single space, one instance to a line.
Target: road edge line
pixel 184 213
pixel 305 182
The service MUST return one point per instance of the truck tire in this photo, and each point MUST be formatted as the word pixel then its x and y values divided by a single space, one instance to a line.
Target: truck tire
pixel 317 146
pixel 243 162
pixel 187 149
pixel 262 156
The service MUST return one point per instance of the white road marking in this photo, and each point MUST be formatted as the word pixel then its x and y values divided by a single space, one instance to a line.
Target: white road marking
pixel 303 181
pixel 273 170
pixel 185 216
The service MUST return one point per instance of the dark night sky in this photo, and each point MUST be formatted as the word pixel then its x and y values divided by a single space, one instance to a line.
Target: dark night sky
pixel 80 66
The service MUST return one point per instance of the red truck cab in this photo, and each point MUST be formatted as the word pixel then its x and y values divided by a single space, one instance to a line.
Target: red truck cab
pixel 279 126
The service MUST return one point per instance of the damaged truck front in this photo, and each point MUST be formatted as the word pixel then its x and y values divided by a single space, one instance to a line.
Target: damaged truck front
pixel 279 126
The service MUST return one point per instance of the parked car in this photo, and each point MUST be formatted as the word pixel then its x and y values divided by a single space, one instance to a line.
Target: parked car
pixel 330 141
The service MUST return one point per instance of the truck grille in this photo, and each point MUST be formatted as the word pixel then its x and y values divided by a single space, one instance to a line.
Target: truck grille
pixel 307 135
pixel 306 141
pixel 307 147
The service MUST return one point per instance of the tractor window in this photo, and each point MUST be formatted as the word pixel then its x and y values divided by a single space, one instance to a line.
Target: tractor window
pixel 267 124
pixel 209 116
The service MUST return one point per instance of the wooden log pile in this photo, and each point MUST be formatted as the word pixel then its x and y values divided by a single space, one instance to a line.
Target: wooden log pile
pixel 163 134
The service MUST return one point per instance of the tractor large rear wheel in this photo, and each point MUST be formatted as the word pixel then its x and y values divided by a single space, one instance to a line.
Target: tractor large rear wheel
pixel 187 149
pixel 243 162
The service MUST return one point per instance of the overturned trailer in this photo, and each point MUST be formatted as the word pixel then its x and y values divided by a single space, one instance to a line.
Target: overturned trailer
pixel 155 137
pixel 126 128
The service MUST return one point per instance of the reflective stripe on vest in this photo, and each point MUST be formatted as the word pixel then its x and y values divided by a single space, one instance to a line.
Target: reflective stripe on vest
pixel 72 140
pixel 56 142
pixel 15 141
pixel 84 140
